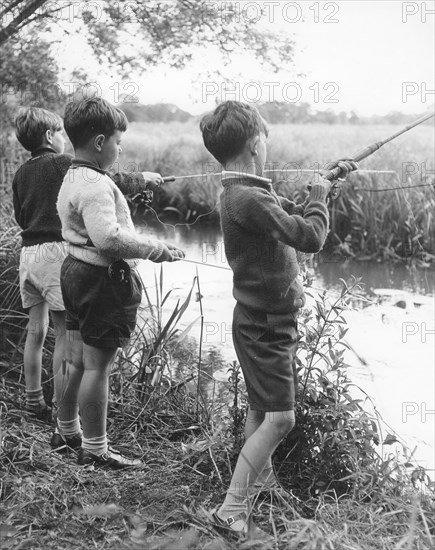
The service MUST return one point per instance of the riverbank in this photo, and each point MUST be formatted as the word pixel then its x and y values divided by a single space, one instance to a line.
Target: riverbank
pixel 348 488
pixel 48 502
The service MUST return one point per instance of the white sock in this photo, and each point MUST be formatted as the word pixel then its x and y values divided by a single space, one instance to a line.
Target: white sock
pixel 69 428
pixel 95 445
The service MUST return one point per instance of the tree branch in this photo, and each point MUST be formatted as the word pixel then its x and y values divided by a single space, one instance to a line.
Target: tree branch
pixel 9 8
pixel 20 21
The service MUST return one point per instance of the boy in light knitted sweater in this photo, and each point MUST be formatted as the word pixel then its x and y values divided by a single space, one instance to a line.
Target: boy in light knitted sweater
pixel 35 189
pixel 261 232
pixel 100 286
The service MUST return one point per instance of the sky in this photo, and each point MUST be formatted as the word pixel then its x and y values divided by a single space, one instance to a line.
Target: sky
pixel 372 57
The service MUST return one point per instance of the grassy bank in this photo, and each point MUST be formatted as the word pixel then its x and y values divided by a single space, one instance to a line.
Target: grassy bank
pixel 352 486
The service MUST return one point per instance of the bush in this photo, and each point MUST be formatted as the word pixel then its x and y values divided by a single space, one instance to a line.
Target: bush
pixel 334 448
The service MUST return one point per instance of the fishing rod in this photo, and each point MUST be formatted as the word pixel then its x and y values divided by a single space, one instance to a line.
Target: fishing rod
pixel 335 173
pixel 170 179
pixel 331 175
pixel 205 264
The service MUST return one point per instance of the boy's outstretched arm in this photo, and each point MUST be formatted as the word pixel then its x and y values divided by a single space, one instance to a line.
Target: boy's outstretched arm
pixel 259 212
pixel 98 210
pixel 136 182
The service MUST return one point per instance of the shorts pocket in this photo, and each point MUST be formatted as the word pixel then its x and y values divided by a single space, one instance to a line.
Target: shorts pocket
pixel 251 325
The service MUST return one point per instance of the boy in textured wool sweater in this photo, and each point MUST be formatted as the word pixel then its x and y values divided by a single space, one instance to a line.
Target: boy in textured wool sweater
pixel 35 189
pixel 100 287
pixel 261 232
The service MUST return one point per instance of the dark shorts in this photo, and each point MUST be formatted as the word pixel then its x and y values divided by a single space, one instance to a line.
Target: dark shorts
pixel 103 310
pixel 266 347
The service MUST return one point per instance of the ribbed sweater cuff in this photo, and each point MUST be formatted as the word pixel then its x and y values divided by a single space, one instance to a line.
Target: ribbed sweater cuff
pixel 318 193
pixel 157 252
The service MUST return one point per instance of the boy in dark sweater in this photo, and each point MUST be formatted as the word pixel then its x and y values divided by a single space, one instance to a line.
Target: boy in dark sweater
pixel 36 186
pixel 261 232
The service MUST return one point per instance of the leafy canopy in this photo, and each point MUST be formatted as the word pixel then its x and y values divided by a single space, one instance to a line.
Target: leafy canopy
pixel 141 34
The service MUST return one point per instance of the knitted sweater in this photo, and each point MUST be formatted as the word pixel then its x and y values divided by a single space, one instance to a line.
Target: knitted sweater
pixel 36 186
pixel 96 220
pixel 262 232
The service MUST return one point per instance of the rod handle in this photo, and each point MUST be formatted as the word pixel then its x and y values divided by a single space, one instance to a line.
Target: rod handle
pixel 168 179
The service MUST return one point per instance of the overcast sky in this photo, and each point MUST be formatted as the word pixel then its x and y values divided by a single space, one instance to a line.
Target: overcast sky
pixel 369 56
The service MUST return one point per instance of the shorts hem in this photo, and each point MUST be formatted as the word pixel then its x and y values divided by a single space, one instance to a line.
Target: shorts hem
pixel 25 306
pixel 272 408
pixel 105 344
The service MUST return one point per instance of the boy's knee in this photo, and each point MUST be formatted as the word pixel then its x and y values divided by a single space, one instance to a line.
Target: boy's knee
pixel 37 332
pixel 283 422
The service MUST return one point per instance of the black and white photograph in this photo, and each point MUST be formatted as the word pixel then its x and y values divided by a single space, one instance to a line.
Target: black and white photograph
pixel 217 275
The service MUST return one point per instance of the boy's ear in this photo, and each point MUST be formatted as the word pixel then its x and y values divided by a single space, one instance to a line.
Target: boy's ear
pixel 48 136
pixel 99 142
pixel 253 145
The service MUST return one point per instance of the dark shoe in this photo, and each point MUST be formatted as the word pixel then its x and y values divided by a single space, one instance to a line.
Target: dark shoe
pixel 43 413
pixel 63 444
pixel 112 459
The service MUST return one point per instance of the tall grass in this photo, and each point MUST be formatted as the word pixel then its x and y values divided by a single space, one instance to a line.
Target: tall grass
pixel 12 317
pixel 344 495
pixel 365 220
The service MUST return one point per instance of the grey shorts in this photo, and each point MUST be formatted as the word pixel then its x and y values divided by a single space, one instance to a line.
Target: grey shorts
pixel 266 347
pixel 40 274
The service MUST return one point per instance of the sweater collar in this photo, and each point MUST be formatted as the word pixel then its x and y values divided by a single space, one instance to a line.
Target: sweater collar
pixel 78 163
pixel 229 178
pixel 44 150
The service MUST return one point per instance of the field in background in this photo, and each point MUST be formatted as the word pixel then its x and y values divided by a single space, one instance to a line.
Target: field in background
pixel 388 224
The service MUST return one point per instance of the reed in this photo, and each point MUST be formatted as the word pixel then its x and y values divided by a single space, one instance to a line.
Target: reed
pixel 365 221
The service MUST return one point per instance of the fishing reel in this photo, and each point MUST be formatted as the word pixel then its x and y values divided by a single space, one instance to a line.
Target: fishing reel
pixel 146 196
pixel 335 190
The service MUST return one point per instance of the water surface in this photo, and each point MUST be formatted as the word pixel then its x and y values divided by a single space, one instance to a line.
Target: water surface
pixel 394 335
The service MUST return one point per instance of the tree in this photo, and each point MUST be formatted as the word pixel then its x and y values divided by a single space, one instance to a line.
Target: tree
pixel 28 76
pixel 139 34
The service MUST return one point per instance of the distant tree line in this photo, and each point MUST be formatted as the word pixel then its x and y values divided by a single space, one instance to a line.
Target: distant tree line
pixel 274 112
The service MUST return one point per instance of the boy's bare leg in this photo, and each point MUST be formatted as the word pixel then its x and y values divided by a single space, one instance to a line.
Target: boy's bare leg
pixel 94 390
pixel 36 333
pixel 254 420
pixel 254 456
pixel 68 380
pixel 58 318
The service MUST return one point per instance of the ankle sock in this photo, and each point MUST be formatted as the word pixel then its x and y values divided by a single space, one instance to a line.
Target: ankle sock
pixel 235 503
pixel 35 400
pixel 95 445
pixel 70 428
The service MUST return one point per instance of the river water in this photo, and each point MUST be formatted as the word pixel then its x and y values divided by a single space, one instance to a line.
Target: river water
pixel 393 341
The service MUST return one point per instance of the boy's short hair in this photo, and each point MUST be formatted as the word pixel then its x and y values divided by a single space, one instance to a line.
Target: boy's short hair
pixel 226 130
pixel 90 117
pixel 31 123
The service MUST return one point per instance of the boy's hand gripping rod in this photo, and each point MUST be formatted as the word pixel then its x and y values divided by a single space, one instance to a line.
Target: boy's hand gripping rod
pixel 335 173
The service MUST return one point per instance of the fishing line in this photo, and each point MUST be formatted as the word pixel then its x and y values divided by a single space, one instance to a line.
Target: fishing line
pixel 398 188
pixel 186 224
